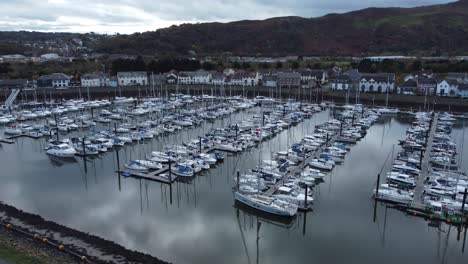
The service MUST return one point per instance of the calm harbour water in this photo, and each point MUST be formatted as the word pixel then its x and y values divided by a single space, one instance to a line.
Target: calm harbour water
pixel 202 225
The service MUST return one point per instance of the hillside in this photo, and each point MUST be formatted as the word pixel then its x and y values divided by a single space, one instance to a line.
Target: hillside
pixel 428 30
pixel 425 30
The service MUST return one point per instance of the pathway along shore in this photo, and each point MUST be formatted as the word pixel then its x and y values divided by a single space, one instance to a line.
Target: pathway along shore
pixel 61 244
pixel 304 94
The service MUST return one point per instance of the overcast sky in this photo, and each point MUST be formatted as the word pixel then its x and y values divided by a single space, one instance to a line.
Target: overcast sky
pixel 128 16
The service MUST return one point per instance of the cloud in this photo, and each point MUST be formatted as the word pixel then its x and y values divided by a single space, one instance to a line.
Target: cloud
pixel 128 16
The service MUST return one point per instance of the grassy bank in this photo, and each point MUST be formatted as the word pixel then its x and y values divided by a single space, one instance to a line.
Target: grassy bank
pixel 12 255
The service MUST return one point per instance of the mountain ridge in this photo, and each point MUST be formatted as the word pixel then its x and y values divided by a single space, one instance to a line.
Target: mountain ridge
pixel 426 30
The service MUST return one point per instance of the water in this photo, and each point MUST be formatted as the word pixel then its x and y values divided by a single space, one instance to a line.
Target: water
pixel 202 225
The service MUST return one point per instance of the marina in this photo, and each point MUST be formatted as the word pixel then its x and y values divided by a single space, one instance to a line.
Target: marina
pixel 281 174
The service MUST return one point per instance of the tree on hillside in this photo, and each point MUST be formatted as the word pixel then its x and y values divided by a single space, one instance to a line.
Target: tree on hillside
pixel 279 65
pixel 295 65
pixel 365 65
pixel 208 66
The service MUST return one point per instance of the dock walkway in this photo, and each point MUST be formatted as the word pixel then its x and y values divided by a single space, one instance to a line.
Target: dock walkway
pixel 425 167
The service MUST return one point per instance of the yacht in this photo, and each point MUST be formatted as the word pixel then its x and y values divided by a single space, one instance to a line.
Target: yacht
pixel 61 150
pixel 292 195
pixel 267 204
pixel 321 164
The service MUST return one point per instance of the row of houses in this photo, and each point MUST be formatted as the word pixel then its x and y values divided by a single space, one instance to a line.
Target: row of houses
pixel 364 82
pixel 272 78
pixel 422 83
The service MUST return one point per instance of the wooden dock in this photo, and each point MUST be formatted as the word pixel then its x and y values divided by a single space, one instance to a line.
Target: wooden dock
pixel 157 175
pixel 24 135
pixel 425 167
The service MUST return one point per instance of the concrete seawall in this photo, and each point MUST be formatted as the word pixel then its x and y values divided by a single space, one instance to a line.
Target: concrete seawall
pixel 306 95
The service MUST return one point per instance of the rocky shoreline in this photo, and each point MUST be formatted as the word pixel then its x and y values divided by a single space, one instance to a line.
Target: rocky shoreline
pixel 95 249
pixel 34 248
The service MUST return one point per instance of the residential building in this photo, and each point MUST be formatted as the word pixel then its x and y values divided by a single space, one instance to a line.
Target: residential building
pixel 218 78
pixel 463 90
pixel 229 72
pixel 409 87
pixel 380 82
pixel 460 77
pixel 132 78
pixel 97 79
pixel 426 86
pixel 245 78
pixel 341 82
pixel 157 79
pixel 447 87
pixel 308 75
pixel 289 79
pixel 54 80
pixel 270 81
pixel 171 77
pixel 419 74
pixel 194 77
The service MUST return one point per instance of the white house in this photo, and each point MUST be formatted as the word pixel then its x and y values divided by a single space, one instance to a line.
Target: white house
pixel 184 77
pixel 313 75
pixel 447 88
pixel 97 79
pixel 201 77
pixel 244 78
pixel 132 78
pixel 55 80
pixel 381 82
pixel 194 77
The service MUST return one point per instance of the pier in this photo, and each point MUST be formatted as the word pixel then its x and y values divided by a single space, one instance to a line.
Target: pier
pixel 295 170
pixel 418 202
pixel 152 176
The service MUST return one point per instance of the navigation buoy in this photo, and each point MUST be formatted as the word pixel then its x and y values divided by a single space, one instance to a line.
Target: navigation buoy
pixel 36 236
pixel 45 240
pixel 61 247
pixel 84 258
pixel 8 226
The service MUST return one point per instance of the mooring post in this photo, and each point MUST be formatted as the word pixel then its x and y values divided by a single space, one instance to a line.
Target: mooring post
pixel 464 201
pixel 56 127
pixel 83 146
pixel 117 150
pixel 305 198
pixel 200 145
pixel 377 186
pixel 84 155
pixel 238 179
pixel 352 122
pixel 421 158
pixel 237 129
pixel 341 127
pixel 170 172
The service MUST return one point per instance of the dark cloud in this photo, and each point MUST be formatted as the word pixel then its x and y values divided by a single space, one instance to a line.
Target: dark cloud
pixel 125 16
